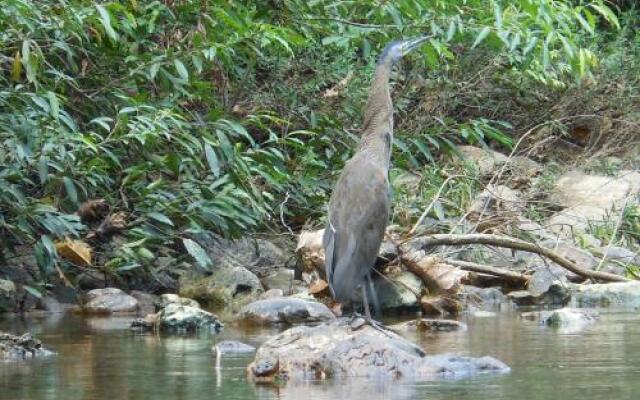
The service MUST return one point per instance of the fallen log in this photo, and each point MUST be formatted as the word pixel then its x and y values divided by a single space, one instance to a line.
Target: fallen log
pixel 516 244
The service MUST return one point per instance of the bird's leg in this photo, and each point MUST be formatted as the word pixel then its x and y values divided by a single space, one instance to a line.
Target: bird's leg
pixel 368 319
pixel 377 310
pixel 365 300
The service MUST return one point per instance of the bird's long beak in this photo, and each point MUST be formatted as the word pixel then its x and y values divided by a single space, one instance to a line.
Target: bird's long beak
pixel 411 44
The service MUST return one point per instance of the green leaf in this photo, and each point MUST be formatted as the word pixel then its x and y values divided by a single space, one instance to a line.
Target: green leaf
pixel 481 36
pixel 70 187
pixel 182 70
pixel 32 291
pixel 451 31
pixel 145 253
pixel 586 25
pixel 198 253
pixel 105 19
pixel 530 45
pixel 160 218
pixel 212 159
pixel 439 210
pixel 607 14
pixel 54 105
pixel 497 12
pixel 153 70
pixel 43 169
pixel 28 62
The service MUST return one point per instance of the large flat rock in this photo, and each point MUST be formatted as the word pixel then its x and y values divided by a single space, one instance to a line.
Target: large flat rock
pixel 341 349
pixel 618 294
pixel 590 199
pixel 110 301
pixel 284 310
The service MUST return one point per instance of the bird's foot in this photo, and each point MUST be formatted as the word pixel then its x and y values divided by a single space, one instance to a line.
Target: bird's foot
pixel 358 321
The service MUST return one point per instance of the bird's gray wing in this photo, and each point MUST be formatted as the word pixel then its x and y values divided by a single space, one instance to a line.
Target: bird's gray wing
pixel 328 240
pixel 358 216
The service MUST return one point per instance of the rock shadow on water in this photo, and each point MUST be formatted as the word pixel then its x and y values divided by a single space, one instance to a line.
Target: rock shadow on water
pixel 335 350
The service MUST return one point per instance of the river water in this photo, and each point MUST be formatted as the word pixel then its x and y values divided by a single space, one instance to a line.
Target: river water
pixel 99 358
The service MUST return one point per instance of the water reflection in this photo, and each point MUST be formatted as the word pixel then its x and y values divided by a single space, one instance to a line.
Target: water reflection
pixel 99 358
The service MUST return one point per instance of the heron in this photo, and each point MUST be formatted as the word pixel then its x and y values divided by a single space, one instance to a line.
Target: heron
pixel 360 202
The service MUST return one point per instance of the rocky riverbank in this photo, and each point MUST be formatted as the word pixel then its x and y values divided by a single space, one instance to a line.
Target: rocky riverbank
pixel 478 266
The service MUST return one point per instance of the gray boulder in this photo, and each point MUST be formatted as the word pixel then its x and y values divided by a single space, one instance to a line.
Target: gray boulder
pixel 231 284
pixel 546 285
pixel 336 350
pixel 590 199
pixel 398 291
pixel 186 319
pixel 170 298
pixel 9 301
pixel 179 315
pixel 482 298
pixel 557 294
pixel 109 301
pixel 259 256
pixel 17 348
pixel 616 258
pixel 146 302
pixel 284 310
pixel 486 161
pixel 617 294
pixel 495 200
pixel 279 279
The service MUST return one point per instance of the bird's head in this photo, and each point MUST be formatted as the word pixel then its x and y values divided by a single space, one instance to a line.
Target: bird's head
pixel 399 48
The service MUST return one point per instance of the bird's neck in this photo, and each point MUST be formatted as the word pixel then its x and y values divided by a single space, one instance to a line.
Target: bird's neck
pixel 379 106
pixel 377 135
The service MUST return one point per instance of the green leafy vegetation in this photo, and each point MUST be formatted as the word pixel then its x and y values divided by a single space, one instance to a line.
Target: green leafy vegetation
pixel 219 116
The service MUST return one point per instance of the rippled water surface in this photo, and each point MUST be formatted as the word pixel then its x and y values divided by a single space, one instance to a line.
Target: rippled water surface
pixel 100 358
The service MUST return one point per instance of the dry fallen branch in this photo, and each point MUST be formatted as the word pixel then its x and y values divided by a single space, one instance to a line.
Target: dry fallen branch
pixel 486 269
pixel 516 244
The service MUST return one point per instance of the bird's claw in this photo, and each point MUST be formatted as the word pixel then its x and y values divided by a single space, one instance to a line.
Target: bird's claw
pixel 358 321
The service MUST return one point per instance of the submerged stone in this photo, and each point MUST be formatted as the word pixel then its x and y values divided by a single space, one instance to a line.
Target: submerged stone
pixel 336 350
pixel 232 347
pixel 567 319
pixel 17 348
pixel 431 325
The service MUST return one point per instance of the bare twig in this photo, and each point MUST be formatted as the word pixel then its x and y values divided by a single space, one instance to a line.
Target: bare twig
pixel 516 244
pixel 286 198
pixel 433 202
pixel 486 269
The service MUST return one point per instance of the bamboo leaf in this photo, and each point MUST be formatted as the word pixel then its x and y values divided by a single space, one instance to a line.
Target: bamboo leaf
pixel 105 20
pixel 198 253
pixel 481 36
pixel 182 70
pixel 212 160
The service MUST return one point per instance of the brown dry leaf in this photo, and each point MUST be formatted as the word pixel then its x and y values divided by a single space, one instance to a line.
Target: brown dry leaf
pixel 337 88
pixel 318 286
pixel 113 223
pixel 76 251
pixel 93 210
